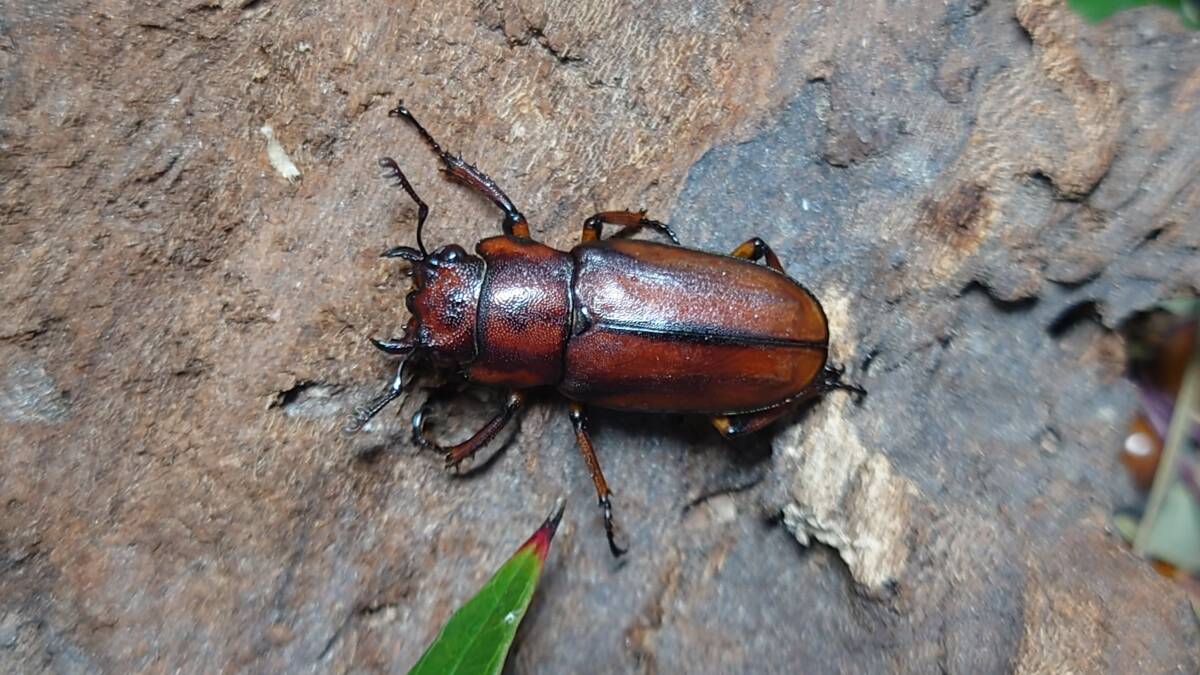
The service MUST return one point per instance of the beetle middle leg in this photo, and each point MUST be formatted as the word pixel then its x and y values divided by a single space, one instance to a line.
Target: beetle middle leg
pixel 579 420
pixel 514 223
pixel 629 221
pixel 456 454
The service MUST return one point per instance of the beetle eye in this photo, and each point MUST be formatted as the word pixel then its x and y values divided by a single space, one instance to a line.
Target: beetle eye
pixel 452 253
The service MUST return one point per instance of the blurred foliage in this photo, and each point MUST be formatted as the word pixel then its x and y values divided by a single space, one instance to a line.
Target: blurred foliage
pixel 1098 10
pixel 1175 533
pixel 1160 451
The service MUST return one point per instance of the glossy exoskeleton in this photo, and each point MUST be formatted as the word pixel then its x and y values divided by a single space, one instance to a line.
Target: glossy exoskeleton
pixel 614 322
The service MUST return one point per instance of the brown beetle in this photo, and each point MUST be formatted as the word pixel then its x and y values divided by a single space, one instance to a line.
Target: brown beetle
pixel 614 323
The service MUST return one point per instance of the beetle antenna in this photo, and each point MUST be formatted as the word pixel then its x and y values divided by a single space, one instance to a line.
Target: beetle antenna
pixel 392 170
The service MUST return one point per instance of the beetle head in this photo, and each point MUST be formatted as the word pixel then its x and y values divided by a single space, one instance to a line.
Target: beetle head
pixel 443 302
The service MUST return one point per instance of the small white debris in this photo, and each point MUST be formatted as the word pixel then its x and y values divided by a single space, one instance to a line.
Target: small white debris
pixel 510 618
pixel 804 204
pixel 1139 444
pixel 278 157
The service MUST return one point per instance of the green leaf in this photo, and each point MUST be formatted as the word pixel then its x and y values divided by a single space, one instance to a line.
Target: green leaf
pixel 1182 306
pixel 1097 10
pixel 1126 524
pixel 1176 534
pixel 477 638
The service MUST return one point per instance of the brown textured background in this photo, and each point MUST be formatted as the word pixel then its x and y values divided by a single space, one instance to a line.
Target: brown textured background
pixel 979 192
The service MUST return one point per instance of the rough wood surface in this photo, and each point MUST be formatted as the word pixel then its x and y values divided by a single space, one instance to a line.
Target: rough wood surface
pixel 979 192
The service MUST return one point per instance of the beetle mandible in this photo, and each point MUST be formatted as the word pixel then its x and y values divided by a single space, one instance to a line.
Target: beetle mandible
pixel 614 323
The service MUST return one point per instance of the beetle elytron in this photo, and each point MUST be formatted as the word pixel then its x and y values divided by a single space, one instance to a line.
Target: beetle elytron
pixel 615 323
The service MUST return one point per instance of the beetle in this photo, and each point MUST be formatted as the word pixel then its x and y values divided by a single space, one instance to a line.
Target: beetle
pixel 614 323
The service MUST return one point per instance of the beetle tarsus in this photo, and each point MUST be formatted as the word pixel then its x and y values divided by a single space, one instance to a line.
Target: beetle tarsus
pixel 832 379
pixel 403 113
pixel 606 504
pixel 364 414
pixel 418 428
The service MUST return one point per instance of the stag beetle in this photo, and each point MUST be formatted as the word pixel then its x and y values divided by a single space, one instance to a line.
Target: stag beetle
pixel 613 323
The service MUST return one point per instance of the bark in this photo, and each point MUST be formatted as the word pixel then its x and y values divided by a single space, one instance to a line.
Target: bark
pixel 980 194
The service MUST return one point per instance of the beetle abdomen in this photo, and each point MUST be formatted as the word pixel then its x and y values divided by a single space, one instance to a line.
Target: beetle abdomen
pixel 663 328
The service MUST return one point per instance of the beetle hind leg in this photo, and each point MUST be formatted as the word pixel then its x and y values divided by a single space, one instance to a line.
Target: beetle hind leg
pixel 736 426
pixel 830 379
pixel 457 454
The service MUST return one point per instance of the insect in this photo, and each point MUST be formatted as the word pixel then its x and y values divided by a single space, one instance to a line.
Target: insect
pixel 614 323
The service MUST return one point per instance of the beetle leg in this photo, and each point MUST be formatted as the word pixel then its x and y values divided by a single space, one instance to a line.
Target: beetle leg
pixel 363 414
pixel 756 249
pixel 831 378
pixel 456 454
pixel 733 426
pixel 629 221
pixel 579 420
pixel 514 223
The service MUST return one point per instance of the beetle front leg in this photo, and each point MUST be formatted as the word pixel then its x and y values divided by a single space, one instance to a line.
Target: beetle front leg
pixel 755 249
pixel 514 223
pixel 579 420
pixel 400 382
pixel 629 221
pixel 456 454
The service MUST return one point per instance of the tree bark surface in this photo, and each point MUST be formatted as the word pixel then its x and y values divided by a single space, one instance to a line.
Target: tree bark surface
pixel 979 193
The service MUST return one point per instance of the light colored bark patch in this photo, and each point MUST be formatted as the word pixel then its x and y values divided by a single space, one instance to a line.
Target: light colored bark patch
pixel 846 495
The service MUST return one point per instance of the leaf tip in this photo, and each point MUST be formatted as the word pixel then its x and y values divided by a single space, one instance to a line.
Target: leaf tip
pixel 540 541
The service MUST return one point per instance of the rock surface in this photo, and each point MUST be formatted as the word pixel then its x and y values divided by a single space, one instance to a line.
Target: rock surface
pixel 979 192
